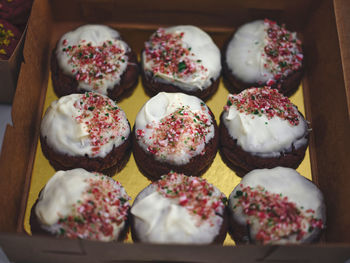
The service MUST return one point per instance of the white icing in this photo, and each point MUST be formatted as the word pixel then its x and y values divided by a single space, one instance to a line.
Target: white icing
pixel 61 192
pixel 161 220
pixel 203 48
pixel 246 57
pixel 66 135
pixel 96 35
pixel 262 136
pixel 244 53
pixel 289 183
pixel 161 106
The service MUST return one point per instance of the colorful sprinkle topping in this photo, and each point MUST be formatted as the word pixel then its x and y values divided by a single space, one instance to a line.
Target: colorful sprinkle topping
pixel 103 207
pixel 181 131
pixel 169 55
pixel 95 65
pixel 277 217
pixel 198 196
pixel 102 119
pixel 6 36
pixel 264 101
pixel 282 51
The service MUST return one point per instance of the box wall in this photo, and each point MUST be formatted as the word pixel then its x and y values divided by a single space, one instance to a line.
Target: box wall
pixel 342 11
pixel 18 146
pixel 204 13
pixel 39 249
pixel 327 106
pixel 323 56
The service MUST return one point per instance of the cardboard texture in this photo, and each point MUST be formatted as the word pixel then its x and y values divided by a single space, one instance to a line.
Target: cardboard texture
pixel 322 25
pixel 34 249
pixel 342 15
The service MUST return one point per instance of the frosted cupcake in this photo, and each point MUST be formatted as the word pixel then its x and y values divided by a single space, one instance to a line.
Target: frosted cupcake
pixel 179 209
pixel 93 58
pixel 263 53
pixel 174 131
pixel 276 206
pixel 86 131
pixel 181 59
pixel 260 128
pixel 78 204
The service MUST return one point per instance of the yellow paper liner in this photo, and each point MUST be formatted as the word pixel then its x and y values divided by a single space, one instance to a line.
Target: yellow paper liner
pixel 130 177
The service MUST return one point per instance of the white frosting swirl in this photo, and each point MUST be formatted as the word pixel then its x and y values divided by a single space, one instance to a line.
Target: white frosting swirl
pixel 158 219
pixel 101 71
pixel 71 129
pixel 63 190
pixel 204 54
pixel 151 118
pixel 289 183
pixel 244 53
pixel 66 190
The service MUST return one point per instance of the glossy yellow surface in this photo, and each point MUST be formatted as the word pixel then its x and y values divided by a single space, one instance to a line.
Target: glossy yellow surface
pixel 130 177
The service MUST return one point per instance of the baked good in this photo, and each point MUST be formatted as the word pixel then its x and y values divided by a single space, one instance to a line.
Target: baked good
pixel 260 128
pixel 79 204
pixel 174 131
pixel 263 53
pixel 9 38
pixel 181 59
pixel 86 130
pixel 93 58
pixel 15 11
pixel 276 206
pixel 179 209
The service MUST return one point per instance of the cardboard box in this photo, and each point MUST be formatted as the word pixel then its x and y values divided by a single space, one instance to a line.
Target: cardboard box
pixel 324 26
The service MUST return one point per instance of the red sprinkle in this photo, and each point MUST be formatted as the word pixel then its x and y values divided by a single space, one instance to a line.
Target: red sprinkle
pixel 277 216
pixel 170 56
pixel 264 101
pixel 182 130
pixel 195 194
pixel 283 51
pixel 92 64
pixel 101 205
pixel 103 119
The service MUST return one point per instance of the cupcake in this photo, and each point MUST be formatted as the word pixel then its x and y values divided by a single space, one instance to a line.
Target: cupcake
pixel 78 204
pixel 15 11
pixel 93 58
pixel 276 206
pixel 174 131
pixel 181 59
pixel 9 38
pixel 263 53
pixel 179 209
pixel 260 128
pixel 86 131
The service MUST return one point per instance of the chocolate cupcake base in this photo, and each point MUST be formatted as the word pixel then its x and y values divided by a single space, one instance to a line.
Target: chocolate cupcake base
pixel 109 165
